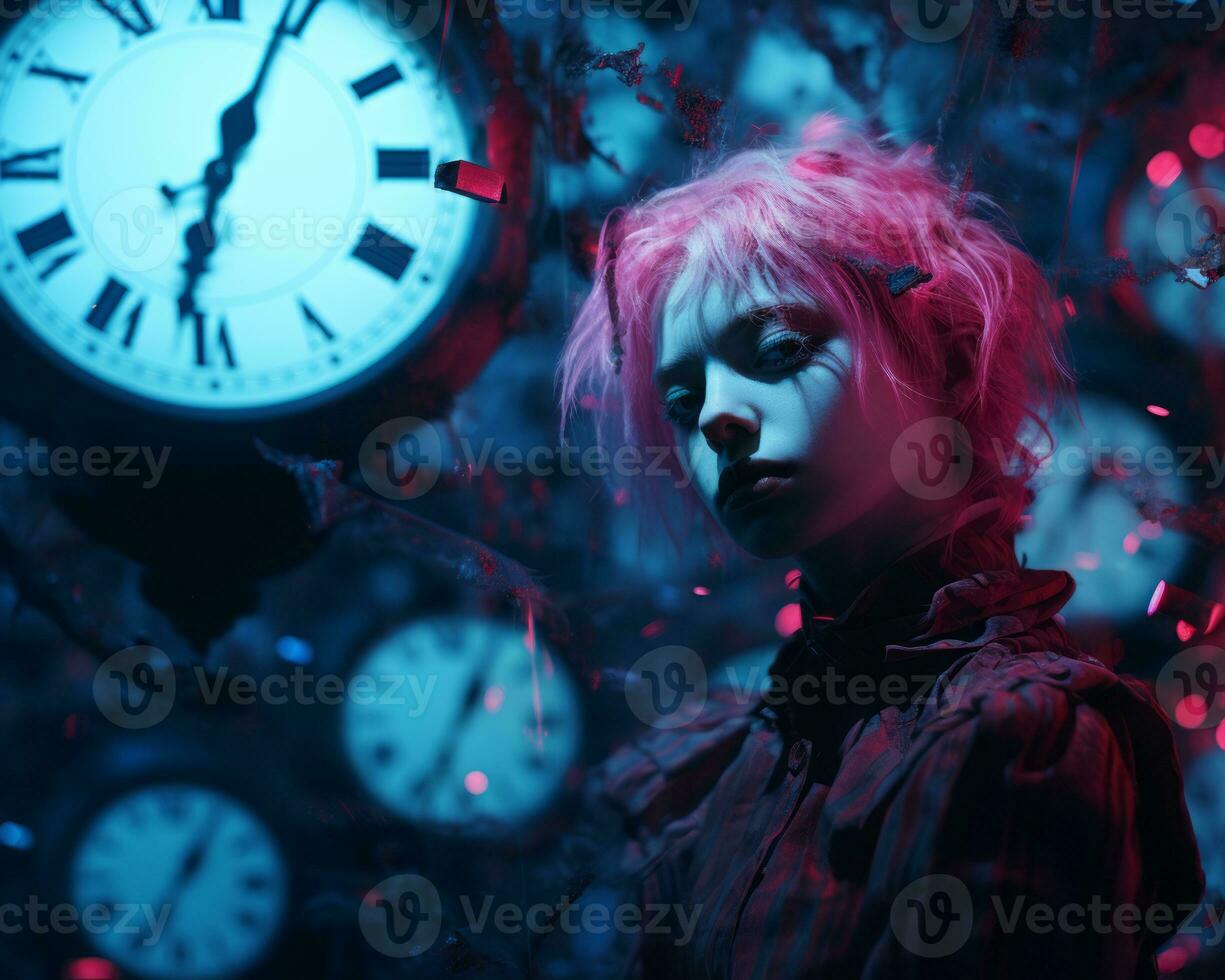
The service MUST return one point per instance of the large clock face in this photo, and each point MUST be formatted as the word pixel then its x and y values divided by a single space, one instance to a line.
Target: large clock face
pixel 469 732
pixel 205 872
pixel 209 252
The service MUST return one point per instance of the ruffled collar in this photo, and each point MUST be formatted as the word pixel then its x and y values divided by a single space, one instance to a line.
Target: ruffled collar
pixel 955 591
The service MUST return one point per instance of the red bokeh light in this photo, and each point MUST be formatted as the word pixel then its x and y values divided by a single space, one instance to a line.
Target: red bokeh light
pixel 1164 168
pixel 1207 140
pixel 788 619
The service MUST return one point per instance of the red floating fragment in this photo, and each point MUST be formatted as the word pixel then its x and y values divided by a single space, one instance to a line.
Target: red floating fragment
pixel 471 180
pixel 1203 615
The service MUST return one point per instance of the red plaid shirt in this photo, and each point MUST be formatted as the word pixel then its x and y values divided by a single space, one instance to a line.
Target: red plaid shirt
pixel 1025 772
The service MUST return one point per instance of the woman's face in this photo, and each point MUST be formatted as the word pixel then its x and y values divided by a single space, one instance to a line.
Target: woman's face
pixel 763 407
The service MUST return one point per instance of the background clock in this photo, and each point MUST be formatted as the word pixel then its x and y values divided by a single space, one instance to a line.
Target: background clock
pixel 489 745
pixel 198 853
pixel 228 211
pixel 168 820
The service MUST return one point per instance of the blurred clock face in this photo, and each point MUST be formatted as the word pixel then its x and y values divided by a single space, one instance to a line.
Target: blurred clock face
pixel 205 252
pixel 1086 521
pixel 207 875
pixel 479 738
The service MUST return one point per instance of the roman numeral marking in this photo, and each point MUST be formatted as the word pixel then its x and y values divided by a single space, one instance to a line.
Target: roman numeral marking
pixel 404 164
pixel 296 29
pixel 47 234
pixel 35 165
pixel 382 251
pixel 44 234
pixel 130 14
pixel 316 328
pixel 46 69
pixel 376 81
pixel 223 9
pixel 107 305
pixel 205 346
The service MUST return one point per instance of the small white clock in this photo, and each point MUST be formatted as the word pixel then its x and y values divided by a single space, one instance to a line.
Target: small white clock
pixel 468 732
pixel 226 206
pixel 207 872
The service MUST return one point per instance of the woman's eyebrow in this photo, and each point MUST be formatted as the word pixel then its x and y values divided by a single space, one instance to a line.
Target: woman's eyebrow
pixel 752 319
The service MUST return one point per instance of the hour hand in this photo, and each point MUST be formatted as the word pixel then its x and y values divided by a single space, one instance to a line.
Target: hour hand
pixel 237 129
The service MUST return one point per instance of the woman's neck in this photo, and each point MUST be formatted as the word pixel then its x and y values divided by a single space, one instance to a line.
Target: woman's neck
pixel 840 567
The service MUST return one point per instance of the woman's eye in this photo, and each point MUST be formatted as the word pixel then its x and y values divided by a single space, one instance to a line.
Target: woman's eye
pixel 681 407
pixel 784 351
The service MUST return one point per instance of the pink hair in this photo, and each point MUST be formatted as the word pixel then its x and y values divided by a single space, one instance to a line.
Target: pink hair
pixel 830 219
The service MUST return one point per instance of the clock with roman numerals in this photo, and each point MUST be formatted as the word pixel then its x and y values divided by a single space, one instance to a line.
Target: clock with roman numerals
pixel 225 209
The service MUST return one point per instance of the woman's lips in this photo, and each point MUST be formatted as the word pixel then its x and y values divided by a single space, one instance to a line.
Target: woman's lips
pixel 748 494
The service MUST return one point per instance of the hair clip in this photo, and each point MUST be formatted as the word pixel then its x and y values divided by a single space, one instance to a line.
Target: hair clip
pixel 898 280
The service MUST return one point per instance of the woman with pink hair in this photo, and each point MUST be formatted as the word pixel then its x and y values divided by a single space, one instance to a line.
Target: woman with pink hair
pixel 849 364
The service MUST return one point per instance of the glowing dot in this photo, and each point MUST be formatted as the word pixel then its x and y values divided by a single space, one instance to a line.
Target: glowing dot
pixel 1150 530
pixel 91 968
pixel 476 782
pixel 701 590
pixel 1191 711
pixel 1220 736
pixel 1069 306
pixel 1171 960
pixel 1207 140
pixel 1164 168
pixel 1158 411
pixel 495 697
pixel 1131 542
pixel 294 650
pixel 16 836
pixel 793 577
pixel 1087 560
pixel 789 619
pixel 1184 630
pixel 653 628
pixel 621 497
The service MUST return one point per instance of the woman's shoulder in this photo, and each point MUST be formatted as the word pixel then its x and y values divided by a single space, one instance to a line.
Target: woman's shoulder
pixel 1062 748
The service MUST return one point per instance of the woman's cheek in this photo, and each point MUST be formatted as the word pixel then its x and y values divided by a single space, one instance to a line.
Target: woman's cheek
pixel 703 467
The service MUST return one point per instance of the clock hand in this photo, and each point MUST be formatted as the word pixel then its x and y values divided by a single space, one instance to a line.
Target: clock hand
pixel 171 194
pixel 238 128
pixel 471 697
pixel 193 858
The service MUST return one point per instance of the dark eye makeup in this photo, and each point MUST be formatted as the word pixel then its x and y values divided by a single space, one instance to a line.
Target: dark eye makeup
pixel 766 345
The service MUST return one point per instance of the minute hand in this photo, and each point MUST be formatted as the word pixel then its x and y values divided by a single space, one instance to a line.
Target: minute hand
pixel 238 123
pixel 238 128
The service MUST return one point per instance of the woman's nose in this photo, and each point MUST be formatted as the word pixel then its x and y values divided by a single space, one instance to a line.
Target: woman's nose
pixel 728 417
